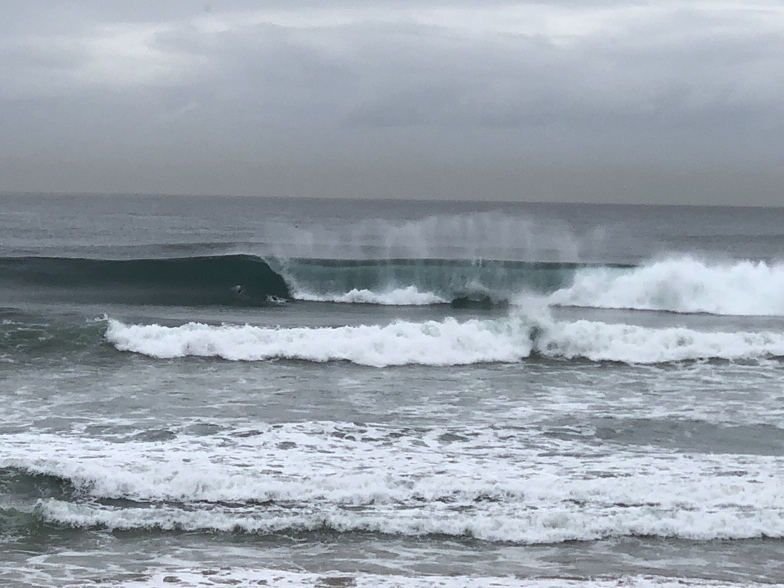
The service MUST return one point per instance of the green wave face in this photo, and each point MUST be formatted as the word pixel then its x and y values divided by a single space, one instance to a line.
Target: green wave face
pixel 192 281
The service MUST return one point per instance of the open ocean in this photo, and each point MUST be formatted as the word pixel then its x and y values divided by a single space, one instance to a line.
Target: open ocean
pixel 245 391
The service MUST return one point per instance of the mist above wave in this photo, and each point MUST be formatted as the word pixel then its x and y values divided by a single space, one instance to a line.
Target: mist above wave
pixel 482 235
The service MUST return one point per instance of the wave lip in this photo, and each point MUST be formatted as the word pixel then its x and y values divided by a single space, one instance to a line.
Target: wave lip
pixel 683 285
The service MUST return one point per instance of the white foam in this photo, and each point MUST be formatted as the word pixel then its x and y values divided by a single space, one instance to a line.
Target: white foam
pixel 634 344
pixel 164 578
pixel 409 296
pixel 447 342
pixel 682 285
pixel 495 485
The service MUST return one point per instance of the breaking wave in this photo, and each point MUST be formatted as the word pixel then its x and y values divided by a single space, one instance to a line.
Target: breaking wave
pixel 247 280
pixel 679 285
pixel 444 343
pixel 683 285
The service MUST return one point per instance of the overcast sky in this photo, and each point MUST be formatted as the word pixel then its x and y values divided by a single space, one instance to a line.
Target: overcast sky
pixel 604 101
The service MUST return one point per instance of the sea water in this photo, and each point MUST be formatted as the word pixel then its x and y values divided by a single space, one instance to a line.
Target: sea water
pixel 248 391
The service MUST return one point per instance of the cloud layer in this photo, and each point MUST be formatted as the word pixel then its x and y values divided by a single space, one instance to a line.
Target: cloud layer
pixel 634 102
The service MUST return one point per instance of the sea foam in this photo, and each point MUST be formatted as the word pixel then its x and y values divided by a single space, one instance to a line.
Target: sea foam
pixel 204 576
pixel 684 285
pixel 495 485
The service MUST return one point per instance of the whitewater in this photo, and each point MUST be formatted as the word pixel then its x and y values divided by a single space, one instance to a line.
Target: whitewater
pixel 304 393
pixel 685 285
pixel 680 284
pixel 489 485
pixel 445 343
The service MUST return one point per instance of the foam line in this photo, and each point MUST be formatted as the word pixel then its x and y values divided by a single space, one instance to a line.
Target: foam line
pixel 186 578
pixel 492 485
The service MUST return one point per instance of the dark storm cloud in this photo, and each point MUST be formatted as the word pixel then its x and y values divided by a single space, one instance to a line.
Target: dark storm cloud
pixel 547 101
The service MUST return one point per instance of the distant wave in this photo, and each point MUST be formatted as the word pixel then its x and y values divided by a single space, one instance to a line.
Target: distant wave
pixel 684 285
pixel 445 343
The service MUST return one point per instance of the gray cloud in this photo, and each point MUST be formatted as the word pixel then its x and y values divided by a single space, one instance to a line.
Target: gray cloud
pixel 613 102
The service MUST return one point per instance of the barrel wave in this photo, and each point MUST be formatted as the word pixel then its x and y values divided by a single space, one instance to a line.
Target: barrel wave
pixel 674 285
pixel 248 280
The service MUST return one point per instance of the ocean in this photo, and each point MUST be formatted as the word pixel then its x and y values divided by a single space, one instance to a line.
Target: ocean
pixel 248 391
